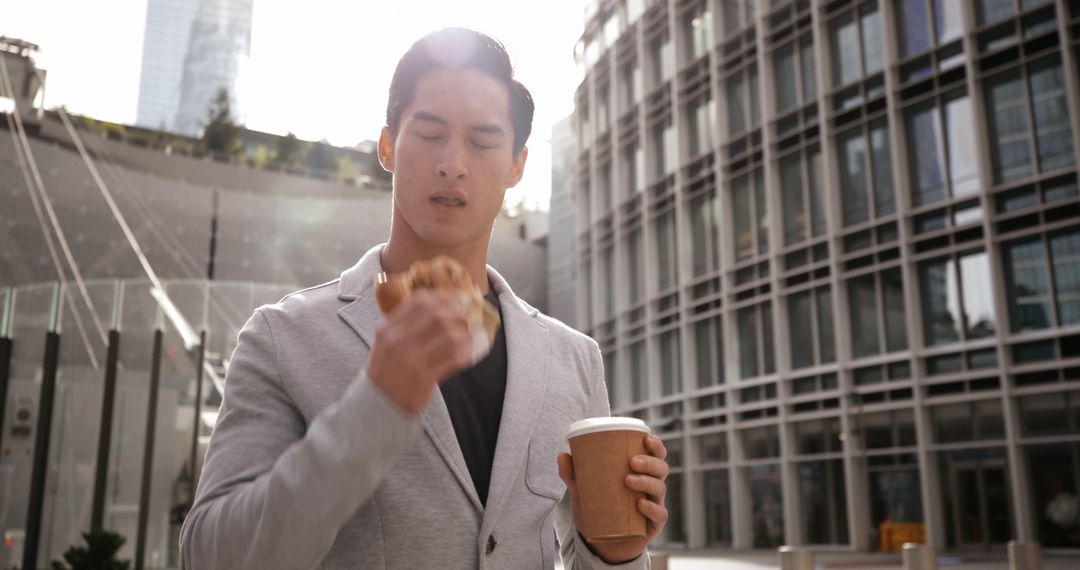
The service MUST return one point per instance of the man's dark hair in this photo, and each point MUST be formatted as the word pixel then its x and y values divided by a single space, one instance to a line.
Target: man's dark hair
pixel 461 48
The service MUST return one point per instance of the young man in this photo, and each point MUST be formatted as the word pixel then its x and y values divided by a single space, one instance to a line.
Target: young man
pixel 351 440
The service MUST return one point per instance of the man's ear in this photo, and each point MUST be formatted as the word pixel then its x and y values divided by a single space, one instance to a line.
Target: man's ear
pixel 386 150
pixel 518 169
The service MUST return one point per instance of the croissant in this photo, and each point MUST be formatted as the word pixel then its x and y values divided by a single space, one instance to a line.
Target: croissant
pixel 446 274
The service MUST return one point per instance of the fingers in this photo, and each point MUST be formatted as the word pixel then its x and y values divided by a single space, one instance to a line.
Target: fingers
pixel 654 488
pixel 566 473
pixel 655 446
pixel 656 513
pixel 649 465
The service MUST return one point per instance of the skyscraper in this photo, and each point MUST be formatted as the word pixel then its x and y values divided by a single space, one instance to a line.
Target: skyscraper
pixel 831 252
pixel 191 49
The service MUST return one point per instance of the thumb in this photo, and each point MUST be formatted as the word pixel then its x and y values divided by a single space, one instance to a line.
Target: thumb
pixel 566 473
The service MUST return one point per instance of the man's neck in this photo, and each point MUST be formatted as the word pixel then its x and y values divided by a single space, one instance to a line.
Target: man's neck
pixel 398 256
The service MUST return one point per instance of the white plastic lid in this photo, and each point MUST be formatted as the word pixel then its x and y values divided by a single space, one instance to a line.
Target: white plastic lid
pixel 593 425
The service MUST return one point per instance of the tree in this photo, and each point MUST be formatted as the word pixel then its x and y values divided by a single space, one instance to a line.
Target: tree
pixel 221 130
pixel 287 150
pixel 99 553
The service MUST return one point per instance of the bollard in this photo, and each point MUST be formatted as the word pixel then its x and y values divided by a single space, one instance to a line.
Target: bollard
pixel 1024 555
pixel 919 557
pixel 659 561
pixel 795 558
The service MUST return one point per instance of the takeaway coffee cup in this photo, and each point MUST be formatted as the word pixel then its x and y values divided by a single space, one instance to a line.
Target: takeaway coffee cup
pixel 601 449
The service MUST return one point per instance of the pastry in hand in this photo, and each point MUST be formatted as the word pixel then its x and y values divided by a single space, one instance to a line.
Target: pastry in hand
pixel 445 274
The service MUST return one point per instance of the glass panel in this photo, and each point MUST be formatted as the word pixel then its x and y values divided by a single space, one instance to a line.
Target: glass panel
pixel 826 340
pixel 873 56
pixel 767 505
pixel 670 378
pixel 953 423
pixel 824 510
pixel 813 185
pixel 809 80
pixel 845 51
pixel 800 330
pixel 787 95
pixel 1026 285
pixel 762 213
pixel 1051 114
pixel 611 376
pixel 924 153
pixel 607 258
pixel 1065 251
pixel 855 202
pixel 703 353
pixel 743 217
pixel 705 232
pixel 941 303
pixel 892 287
pixel 712 447
pixel 1009 127
pixel 1054 472
pixel 949 19
pixel 717 507
pixel 748 343
pixel 963 166
pixel 915 37
pixel 884 198
pixel 978 293
pixel 665 250
pixel 755 97
pixel 635 277
pixel 637 372
pixel 994 10
pixel 794 205
pixel 767 337
pixel 862 306
pixel 736 103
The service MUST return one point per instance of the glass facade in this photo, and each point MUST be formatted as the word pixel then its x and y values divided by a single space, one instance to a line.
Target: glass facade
pixel 858 279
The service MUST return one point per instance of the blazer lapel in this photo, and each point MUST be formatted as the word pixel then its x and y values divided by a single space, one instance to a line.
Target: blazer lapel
pixel 363 315
pixel 526 370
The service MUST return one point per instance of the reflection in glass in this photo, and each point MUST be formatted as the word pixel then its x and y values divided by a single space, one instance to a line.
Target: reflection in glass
pixel 1065 249
pixel 862 306
pixel 800 330
pixel 941 306
pixel 845 51
pixel 670 378
pixel 853 182
pixel 824 509
pixel 767 505
pixel 635 276
pixel 786 94
pixel 742 216
pixel 717 508
pixel 1051 111
pixel 924 154
pixel 963 167
pixel 1009 128
pixel 826 341
pixel 1026 284
pixel 915 37
pixel 978 295
pixel 1054 472
pixel 892 288
pixel 665 250
pixel 884 199
pixel 949 19
pixel 637 371
pixel 748 343
pixel 794 205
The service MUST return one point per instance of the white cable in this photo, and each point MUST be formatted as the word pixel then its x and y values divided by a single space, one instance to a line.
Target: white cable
pixel 28 159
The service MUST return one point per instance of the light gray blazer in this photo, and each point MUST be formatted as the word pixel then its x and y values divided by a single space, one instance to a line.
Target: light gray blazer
pixel 311 466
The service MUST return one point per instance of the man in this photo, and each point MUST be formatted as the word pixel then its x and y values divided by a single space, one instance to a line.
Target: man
pixel 351 440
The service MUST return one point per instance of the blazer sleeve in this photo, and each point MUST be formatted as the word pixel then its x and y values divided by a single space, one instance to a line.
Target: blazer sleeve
pixel 575 553
pixel 274 492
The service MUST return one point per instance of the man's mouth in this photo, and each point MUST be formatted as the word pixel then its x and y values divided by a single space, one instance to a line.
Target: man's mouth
pixel 449 201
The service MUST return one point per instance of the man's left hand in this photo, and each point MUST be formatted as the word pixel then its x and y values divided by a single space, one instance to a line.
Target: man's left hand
pixel 648 473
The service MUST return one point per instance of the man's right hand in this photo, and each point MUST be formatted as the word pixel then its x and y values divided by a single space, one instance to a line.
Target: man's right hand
pixel 422 342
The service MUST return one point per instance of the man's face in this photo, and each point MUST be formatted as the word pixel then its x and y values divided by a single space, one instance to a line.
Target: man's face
pixel 452 157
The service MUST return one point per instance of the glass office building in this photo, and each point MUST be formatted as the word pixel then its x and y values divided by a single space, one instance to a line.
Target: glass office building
pixel 191 49
pixel 831 252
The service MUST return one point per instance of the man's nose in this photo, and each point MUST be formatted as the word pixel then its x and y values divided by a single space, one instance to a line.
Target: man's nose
pixel 452 164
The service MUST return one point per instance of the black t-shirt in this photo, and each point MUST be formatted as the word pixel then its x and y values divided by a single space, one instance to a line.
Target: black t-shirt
pixel 474 399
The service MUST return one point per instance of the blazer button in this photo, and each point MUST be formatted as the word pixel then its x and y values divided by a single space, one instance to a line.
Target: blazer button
pixel 491 544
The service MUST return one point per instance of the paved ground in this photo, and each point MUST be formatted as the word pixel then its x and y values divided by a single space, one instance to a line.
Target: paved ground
pixel 727 560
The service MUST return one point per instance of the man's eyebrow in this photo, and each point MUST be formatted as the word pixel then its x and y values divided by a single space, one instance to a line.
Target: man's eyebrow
pixel 425 116
pixel 492 129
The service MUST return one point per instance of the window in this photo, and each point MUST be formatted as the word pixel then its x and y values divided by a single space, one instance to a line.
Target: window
pixel 629 86
pixel 876 306
pixel 605 189
pixel 924 23
pixel 633 169
pixel 665 251
pixel 670 377
pixel 968 421
pixel 607 257
pixel 610 376
pixel 718 505
pixel 856 44
pixel 750 217
pixel 794 68
pixel 760 442
pixel 957 299
pixel 1017 100
pixel 663 59
pixel 888 429
pixel 665 158
pixel 818 436
pixel 638 372
pixel 1036 288
pixel 1056 413
pixel 810 328
pixel 822 496
pixel 698 26
pixel 990 11
pixel 635 277
pixel 587 292
pixel 941 149
pixel 634 10
pixel 701 120
pixel 705 232
pixel 866 173
pixel 709 352
pixel 800 181
pixel 755 340
pixel 737 15
pixel 743 100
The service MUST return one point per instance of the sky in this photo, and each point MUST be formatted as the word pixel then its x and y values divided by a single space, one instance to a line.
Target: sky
pixel 318 68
